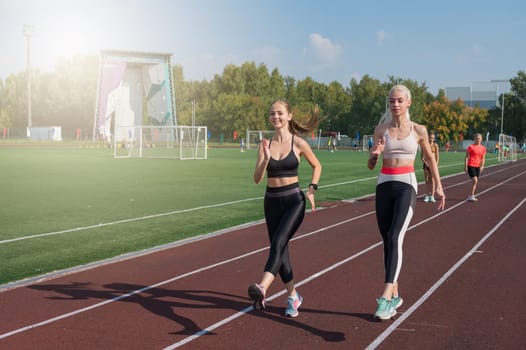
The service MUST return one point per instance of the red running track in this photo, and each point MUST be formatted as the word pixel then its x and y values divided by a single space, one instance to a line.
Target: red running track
pixel 462 282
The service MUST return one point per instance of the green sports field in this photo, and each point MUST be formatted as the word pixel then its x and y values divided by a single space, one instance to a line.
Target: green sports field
pixel 66 206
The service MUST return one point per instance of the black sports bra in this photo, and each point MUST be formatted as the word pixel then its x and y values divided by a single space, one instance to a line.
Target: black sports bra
pixel 286 167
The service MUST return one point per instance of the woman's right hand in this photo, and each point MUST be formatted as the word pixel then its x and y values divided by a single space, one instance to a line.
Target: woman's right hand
pixel 266 148
pixel 378 147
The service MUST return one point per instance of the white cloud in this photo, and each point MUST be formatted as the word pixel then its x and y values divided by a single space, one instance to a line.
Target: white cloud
pixel 325 50
pixel 382 36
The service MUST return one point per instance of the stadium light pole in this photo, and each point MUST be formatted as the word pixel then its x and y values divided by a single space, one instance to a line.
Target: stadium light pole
pixel 497 81
pixel 28 31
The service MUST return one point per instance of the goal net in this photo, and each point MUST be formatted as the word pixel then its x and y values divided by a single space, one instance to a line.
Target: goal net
pixel 507 148
pixel 177 142
pixel 254 137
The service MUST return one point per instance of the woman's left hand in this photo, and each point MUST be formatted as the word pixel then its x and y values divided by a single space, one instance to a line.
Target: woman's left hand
pixel 310 197
pixel 441 198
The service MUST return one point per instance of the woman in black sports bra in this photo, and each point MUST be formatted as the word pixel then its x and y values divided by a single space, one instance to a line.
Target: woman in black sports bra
pixel 284 202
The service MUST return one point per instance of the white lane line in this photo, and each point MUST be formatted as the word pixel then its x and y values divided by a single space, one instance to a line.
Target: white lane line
pixel 63 316
pixel 318 274
pixel 82 228
pixel 153 216
pixel 274 296
pixel 94 306
pixel 441 281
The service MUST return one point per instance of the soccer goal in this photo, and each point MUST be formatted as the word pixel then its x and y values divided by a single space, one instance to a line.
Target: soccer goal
pixel 177 142
pixel 508 148
pixel 254 137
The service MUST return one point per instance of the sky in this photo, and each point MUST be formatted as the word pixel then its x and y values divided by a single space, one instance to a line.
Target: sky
pixel 439 43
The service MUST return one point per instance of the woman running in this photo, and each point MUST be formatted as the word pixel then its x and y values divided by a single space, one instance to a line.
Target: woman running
pixel 284 202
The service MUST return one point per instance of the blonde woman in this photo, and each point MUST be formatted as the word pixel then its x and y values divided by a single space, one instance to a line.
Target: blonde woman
pixel 397 138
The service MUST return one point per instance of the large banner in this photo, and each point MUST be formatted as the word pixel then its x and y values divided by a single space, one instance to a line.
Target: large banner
pixel 127 80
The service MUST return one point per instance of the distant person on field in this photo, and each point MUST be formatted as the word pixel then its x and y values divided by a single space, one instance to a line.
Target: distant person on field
pixel 474 163
pixel 284 201
pixel 506 150
pixel 430 183
pixel 242 144
pixel 397 138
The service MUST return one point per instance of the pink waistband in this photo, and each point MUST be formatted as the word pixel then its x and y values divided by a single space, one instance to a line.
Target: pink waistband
pixel 399 170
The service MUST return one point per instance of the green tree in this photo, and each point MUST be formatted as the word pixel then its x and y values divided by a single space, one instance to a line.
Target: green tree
pixel 15 100
pixel 277 85
pixel 368 104
pixel 438 118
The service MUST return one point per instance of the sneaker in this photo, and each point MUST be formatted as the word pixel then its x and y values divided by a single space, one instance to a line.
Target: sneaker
pixel 257 294
pixel 293 303
pixel 396 302
pixel 472 198
pixel 385 309
pixel 432 199
pixel 426 198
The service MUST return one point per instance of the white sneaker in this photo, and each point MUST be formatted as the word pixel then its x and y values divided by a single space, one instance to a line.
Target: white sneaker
pixel 472 199
pixel 426 198
pixel 432 199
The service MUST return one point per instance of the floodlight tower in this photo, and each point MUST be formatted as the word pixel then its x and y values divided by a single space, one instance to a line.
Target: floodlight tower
pixel 502 107
pixel 28 31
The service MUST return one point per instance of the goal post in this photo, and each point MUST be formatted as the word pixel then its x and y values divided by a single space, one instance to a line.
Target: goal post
pixel 507 148
pixel 254 137
pixel 176 142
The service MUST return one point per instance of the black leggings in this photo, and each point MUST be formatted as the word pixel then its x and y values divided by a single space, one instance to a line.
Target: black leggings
pixel 284 213
pixel 395 204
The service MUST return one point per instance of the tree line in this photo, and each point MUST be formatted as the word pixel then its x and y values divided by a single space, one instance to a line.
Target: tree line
pixel 239 98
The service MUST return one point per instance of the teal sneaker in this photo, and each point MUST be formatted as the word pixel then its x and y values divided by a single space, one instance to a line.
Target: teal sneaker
pixel 293 303
pixel 385 309
pixel 396 302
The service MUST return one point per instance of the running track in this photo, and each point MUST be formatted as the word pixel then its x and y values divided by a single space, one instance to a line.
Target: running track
pixel 462 282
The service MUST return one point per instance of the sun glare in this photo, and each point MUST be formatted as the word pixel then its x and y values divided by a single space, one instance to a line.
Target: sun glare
pixel 68 43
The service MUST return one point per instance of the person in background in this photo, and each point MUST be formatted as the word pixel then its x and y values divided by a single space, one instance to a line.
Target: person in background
pixel 474 164
pixel 284 202
pixel 333 144
pixel 397 138
pixel 430 183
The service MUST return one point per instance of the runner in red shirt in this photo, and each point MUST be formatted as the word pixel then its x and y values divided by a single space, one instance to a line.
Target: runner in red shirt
pixel 475 159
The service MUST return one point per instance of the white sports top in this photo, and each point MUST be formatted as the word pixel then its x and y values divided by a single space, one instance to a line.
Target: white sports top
pixel 403 149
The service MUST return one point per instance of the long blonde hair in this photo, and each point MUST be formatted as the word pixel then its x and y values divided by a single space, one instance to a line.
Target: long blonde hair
pixel 296 128
pixel 387 117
